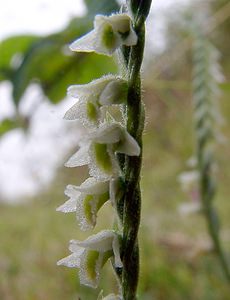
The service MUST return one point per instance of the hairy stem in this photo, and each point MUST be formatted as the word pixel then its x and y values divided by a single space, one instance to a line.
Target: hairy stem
pixel 132 168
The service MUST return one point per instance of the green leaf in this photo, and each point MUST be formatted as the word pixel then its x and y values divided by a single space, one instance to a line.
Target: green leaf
pixel 7 125
pixel 225 86
pixel 18 121
pixel 10 48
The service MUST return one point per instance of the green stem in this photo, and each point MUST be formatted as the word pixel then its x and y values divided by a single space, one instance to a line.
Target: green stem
pixel 217 243
pixel 132 200
pixel 207 188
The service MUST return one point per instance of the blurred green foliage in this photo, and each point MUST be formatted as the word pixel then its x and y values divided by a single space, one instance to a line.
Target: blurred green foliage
pixel 48 61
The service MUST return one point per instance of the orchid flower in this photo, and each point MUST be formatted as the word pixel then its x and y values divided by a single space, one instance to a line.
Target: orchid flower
pixel 109 297
pixel 107 90
pixel 189 180
pixel 99 150
pixel 86 200
pixel 90 256
pixel 109 33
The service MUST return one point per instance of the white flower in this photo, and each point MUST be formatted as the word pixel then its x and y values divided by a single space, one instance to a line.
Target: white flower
pixel 188 208
pixel 86 200
pixel 109 33
pixel 99 150
pixel 189 180
pixel 90 256
pixel 190 185
pixel 107 90
pixel 109 297
pixel 112 297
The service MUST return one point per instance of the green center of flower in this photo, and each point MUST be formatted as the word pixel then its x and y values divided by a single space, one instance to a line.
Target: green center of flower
pixel 88 208
pixel 91 260
pixel 108 37
pixel 102 157
pixel 91 111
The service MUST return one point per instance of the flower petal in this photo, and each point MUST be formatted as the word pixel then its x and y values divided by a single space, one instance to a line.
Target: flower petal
pixel 71 191
pixel 86 212
pixel 103 163
pixel 107 134
pixel 108 34
pixel 128 145
pixel 94 87
pixel 101 241
pixel 112 297
pixel 80 158
pixel 115 92
pixel 85 43
pixel 93 186
pixel 116 252
pixel 91 264
pixel 121 24
pixel 114 189
pixel 85 110
pixel 71 261
pixel 69 206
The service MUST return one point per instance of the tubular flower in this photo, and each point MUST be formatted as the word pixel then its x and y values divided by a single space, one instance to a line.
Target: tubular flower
pixel 90 256
pixel 107 90
pixel 99 150
pixel 87 199
pixel 109 34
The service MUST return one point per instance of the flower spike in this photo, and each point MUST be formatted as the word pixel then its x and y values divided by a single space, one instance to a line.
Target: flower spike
pixel 109 33
pixel 86 200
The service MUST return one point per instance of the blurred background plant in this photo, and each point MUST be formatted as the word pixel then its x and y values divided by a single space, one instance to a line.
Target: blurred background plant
pixel 35 71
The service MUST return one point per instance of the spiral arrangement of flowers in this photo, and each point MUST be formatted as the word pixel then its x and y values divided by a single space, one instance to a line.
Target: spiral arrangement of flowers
pixel 112 151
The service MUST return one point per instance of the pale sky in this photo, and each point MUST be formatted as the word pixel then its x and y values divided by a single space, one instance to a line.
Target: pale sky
pixel 37 16
pixel 28 163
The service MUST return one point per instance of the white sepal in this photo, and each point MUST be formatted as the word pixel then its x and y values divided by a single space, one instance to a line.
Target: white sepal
pixel 73 260
pixel 115 133
pixel 94 87
pixel 71 204
pixel 128 145
pixel 107 134
pixel 80 158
